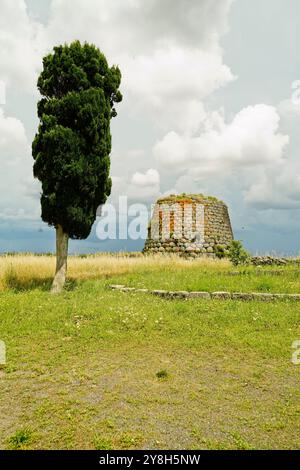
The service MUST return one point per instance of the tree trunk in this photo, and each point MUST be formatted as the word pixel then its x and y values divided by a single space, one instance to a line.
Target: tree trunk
pixel 59 280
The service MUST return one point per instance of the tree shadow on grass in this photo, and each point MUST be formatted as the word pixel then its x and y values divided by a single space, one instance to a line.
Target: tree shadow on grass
pixel 42 283
pixel 20 285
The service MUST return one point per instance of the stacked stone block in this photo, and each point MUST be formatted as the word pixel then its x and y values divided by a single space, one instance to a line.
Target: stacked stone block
pixel 189 225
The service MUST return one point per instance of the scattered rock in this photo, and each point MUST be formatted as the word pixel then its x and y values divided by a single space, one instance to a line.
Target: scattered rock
pixel 181 294
pixel 241 296
pixel 290 296
pixel 199 295
pixel 161 293
pixel 221 295
pixel 272 261
pixel 262 296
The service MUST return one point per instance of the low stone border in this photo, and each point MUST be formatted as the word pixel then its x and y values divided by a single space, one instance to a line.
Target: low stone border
pixel 262 272
pixel 246 296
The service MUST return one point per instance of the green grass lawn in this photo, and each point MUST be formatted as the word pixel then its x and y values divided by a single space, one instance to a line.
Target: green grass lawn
pixel 210 278
pixel 99 369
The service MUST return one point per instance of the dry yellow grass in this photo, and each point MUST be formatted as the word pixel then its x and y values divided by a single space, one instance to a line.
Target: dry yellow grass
pixel 26 269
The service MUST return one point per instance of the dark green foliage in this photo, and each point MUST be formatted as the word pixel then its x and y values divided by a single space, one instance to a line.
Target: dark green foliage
pixel 20 438
pixel 162 374
pixel 237 253
pixel 220 251
pixel 72 147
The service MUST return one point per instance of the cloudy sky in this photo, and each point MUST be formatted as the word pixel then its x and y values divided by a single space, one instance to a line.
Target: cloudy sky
pixel 211 105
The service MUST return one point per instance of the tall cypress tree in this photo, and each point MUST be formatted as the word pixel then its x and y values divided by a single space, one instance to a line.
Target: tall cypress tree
pixel 72 148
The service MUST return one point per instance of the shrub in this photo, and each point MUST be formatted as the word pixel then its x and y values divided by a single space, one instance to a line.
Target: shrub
pixel 20 439
pixel 237 253
pixel 162 374
pixel 102 443
pixel 220 251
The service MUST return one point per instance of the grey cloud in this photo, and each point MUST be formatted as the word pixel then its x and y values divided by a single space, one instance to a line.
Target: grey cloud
pixel 185 22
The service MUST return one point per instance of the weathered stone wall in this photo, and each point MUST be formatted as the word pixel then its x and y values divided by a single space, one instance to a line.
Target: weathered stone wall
pixel 190 225
pixel 273 261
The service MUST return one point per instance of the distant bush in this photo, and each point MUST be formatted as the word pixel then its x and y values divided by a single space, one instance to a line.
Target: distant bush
pixel 237 253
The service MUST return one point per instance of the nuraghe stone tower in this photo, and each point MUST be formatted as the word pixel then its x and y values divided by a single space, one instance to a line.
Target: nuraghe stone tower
pixel 189 225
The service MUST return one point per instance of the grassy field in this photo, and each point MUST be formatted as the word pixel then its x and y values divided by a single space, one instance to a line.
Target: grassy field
pixel 94 368
pixel 216 277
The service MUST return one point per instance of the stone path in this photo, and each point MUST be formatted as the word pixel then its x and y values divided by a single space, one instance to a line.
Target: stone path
pixel 246 296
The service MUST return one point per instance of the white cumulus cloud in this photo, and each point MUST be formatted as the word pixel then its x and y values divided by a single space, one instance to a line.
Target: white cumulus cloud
pixel 13 140
pixel 144 186
pixel 175 73
pixel 20 46
pixel 16 170
pixel 250 139
pixel 150 178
